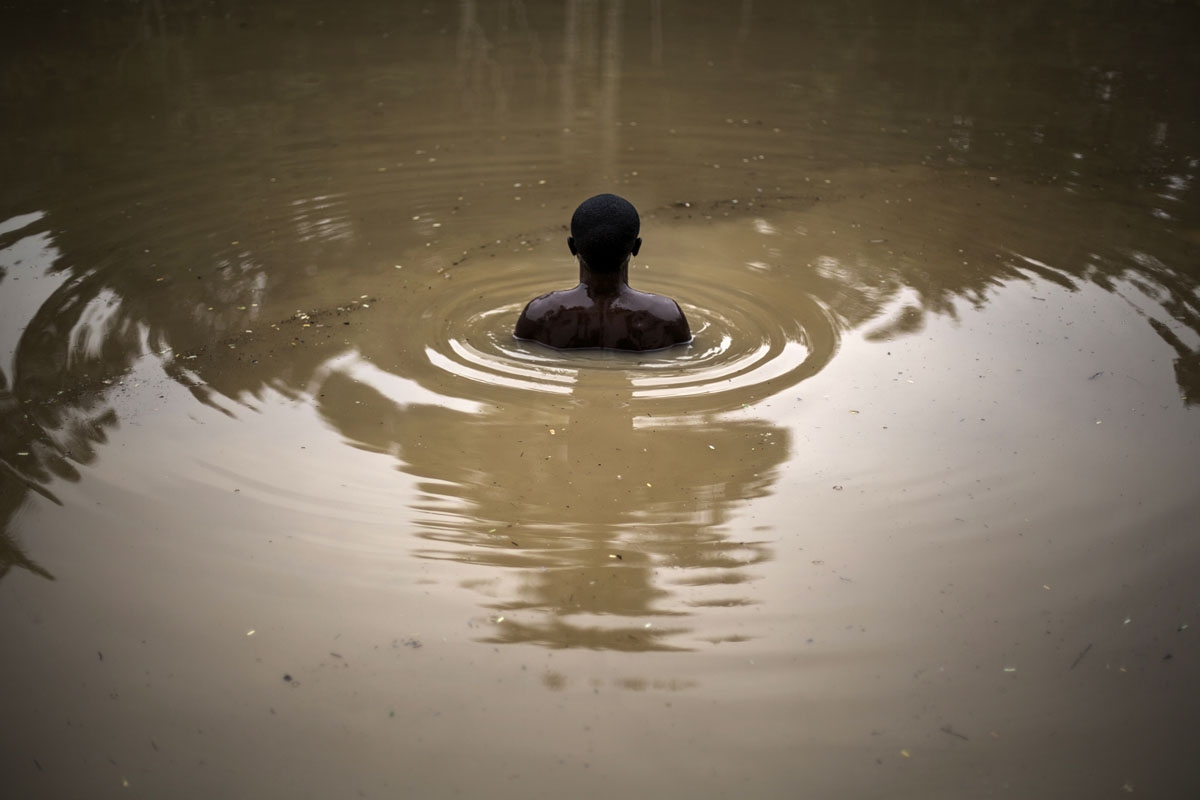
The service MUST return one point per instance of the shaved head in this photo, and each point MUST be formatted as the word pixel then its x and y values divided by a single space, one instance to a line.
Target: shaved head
pixel 605 228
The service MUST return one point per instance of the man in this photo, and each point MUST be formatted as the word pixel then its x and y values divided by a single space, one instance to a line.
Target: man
pixel 602 311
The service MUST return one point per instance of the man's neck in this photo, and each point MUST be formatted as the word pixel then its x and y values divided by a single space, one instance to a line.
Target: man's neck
pixel 606 283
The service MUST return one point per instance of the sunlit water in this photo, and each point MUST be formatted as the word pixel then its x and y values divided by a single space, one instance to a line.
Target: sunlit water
pixel 286 510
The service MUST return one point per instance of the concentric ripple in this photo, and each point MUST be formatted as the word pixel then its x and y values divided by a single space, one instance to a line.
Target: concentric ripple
pixel 751 340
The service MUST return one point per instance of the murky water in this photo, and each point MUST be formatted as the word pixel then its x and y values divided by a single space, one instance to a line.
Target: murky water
pixel 285 510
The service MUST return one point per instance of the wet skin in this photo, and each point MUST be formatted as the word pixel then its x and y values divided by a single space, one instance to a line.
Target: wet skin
pixel 603 312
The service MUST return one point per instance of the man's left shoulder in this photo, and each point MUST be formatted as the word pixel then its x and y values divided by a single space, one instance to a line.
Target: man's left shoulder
pixel 534 318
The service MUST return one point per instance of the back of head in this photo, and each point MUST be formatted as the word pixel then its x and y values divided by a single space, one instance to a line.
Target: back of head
pixel 605 228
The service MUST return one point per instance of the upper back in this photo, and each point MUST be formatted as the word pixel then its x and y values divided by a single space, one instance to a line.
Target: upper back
pixel 631 321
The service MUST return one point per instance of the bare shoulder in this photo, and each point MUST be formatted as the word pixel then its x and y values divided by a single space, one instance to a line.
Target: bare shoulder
pixel 538 306
pixel 661 321
pixel 670 310
pixel 539 312
pixel 663 307
pixel 530 321
pixel 675 322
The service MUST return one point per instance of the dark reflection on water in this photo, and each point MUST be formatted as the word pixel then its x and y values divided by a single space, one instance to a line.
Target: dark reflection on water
pixel 608 522
pixel 203 170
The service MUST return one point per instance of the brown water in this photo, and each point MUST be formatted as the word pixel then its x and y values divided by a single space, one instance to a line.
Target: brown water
pixel 285 511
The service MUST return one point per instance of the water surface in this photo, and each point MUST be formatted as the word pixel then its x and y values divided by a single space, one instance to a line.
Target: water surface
pixel 284 509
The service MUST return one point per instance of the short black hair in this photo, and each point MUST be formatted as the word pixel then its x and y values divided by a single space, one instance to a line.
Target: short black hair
pixel 604 228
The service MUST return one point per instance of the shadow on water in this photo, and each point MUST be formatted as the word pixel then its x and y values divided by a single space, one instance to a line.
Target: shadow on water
pixel 186 189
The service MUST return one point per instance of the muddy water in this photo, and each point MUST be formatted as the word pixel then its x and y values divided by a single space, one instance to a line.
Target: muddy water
pixel 284 509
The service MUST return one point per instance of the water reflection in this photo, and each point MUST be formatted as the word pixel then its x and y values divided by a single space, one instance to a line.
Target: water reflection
pixel 44 320
pixel 217 188
pixel 614 524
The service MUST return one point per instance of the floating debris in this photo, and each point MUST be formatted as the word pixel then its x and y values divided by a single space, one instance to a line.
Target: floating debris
pixel 1079 657
pixel 949 729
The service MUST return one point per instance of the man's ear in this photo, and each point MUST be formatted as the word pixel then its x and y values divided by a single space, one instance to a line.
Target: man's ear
pixel 571 245
pixel 637 245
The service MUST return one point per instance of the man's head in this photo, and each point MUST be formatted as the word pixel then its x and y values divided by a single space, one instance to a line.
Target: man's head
pixel 604 232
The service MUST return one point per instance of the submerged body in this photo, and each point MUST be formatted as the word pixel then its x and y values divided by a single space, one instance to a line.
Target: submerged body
pixel 603 311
